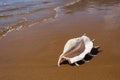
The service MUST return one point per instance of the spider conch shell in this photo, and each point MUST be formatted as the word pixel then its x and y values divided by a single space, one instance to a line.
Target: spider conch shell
pixel 75 49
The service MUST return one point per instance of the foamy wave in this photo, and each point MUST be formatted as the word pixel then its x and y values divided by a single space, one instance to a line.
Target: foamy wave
pixel 16 26
pixel 33 24
pixel 6 32
pixel 72 3
pixel 59 9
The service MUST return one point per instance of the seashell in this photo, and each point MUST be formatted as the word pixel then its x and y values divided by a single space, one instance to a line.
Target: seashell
pixel 75 50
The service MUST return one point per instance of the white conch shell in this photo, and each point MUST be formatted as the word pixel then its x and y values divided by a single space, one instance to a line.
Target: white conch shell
pixel 75 49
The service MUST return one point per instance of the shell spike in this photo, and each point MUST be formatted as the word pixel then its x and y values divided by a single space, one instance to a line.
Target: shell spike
pixel 93 40
pixel 84 34
pixel 97 47
pixel 77 64
pixel 59 61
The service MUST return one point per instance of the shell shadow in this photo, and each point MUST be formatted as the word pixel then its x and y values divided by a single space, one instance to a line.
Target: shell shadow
pixel 93 53
pixel 88 57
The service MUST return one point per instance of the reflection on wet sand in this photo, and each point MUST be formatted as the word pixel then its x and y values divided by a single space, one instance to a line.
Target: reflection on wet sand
pixel 112 18
pixel 109 10
pixel 86 4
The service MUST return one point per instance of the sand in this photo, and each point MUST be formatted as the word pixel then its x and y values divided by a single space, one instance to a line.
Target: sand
pixel 32 52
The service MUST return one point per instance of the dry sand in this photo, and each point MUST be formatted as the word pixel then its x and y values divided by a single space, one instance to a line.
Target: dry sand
pixel 32 53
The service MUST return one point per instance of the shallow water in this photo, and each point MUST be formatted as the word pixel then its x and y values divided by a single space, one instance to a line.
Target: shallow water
pixel 16 13
pixel 25 13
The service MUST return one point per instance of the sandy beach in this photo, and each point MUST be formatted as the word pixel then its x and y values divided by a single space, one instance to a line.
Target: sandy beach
pixel 31 53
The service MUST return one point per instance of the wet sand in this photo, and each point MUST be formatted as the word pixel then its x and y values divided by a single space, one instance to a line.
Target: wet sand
pixel 32 53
